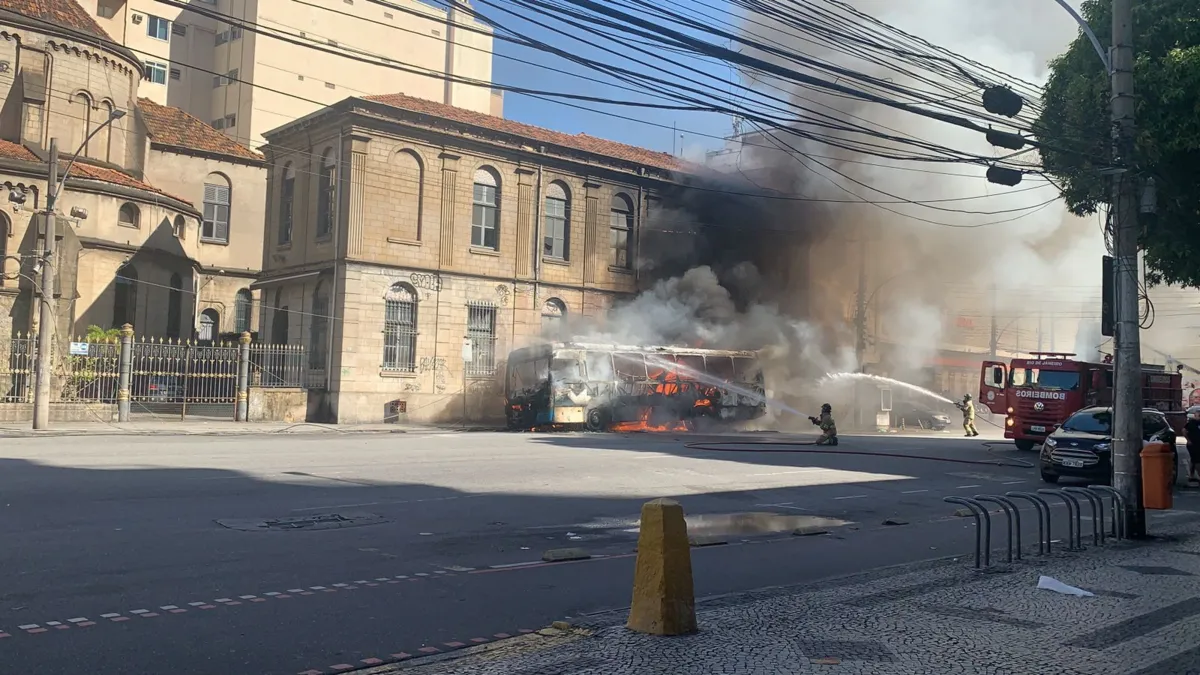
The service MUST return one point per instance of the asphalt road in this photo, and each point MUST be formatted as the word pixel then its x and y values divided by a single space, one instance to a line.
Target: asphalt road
pixel 141 554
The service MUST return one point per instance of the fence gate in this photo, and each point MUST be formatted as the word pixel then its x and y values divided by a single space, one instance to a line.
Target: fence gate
pixel 17 369
pixel 183 379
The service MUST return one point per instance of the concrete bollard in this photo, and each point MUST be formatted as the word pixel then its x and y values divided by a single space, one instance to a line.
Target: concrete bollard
pixel 663 598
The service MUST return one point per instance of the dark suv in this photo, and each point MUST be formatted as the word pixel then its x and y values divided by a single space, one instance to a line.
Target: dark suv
pixel 1081 447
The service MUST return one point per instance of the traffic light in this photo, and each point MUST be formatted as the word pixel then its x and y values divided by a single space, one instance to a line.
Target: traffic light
pixel 1002 101
pixel 1106 296
pixel 1003 176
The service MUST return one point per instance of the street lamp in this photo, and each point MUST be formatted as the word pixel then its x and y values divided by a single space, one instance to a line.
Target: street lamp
pixel 41 396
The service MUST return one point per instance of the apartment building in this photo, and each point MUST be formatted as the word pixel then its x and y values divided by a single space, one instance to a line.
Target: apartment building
pixel 247 66
pixel 402 230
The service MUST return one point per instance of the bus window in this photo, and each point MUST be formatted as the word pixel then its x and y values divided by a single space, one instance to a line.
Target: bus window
pixel 746 369
pixel 690 367
pixel 521 375
pixel 629 366
pixel 660 367
pixel 541 370
pixel 599 366
pixel 567 369
pixel 720 367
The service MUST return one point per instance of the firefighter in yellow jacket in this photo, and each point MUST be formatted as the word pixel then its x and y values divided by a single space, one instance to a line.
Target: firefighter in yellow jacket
pixel 968 410
pixel 827 425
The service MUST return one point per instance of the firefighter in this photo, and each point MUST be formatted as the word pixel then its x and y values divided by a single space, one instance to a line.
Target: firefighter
pixel 968 410
pixel 827 425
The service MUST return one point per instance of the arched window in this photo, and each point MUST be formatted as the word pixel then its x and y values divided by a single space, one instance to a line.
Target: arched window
pixel 80 117
pixel 216 209
pixel 5 233
pixel 279 319
pixel 620 231
pixel 102 141
pixel 410 183
pixel 210 325
pixel 485 211
pixel 125 299
pixel 400 328
pixel 556 242
pixel 174 306
pixel 287 203
pixel 318 328
pixel 554 317
pixel 129 215
pixel 244 304
pixel 179 227
pixel 326 194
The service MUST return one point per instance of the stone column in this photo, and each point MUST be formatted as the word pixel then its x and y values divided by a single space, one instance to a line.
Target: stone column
pixel 243 378
pixel 125 373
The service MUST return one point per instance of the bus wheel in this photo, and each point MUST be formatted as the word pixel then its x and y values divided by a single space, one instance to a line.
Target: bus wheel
pixel 596 420
pixel 1025 446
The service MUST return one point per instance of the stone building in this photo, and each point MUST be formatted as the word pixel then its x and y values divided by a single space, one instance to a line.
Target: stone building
pixel 203 58
pixel 160 216
pixel 405 235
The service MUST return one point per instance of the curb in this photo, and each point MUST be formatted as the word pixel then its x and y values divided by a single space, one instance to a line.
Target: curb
pixel 565 555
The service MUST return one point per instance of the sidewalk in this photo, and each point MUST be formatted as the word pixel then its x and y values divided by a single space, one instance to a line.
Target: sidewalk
pixel 201 427
pixel 937 618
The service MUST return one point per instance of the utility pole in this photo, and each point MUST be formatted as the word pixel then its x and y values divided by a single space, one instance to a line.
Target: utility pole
pixel 46 323
pixel 860 324
pixel 1127 393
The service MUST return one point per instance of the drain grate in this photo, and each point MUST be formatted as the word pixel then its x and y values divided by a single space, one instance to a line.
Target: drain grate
pixel 321 521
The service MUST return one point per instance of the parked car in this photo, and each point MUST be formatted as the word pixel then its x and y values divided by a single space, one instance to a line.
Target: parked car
pixel 1081 447
pixel 919 416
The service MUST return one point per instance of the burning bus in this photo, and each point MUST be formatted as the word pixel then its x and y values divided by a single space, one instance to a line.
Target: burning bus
pixel 622 388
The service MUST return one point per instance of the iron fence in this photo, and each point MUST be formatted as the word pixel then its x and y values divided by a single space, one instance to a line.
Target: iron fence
pixel 91 370
pixel 278 366
pixel 17 368
pixel 168 376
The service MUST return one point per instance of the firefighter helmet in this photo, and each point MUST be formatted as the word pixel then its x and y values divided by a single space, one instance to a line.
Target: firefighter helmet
pixel 826 408
pixel 967 397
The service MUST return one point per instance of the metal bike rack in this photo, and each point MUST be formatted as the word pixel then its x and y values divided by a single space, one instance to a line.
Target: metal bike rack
pixel 1012 516
pixel 1074 524
pixel 1043 510
pixel 1118 510
pixel 981 518
pixel 1097 512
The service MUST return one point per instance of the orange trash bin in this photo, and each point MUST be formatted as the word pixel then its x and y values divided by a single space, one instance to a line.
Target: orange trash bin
pixel 1157 465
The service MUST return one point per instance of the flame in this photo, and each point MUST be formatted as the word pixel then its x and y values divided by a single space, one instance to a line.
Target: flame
pixel 643 424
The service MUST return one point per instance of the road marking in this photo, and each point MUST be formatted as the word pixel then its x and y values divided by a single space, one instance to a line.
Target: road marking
pixel 139 611
pixel 851 497
pixel 109 616
pixel 1014 482
pixel 964 487
pixel 28 626
pixel 786 505
pixel 78 620
pixel 912 492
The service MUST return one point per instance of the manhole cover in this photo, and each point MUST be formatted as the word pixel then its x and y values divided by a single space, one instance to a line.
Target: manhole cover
pixel 321 521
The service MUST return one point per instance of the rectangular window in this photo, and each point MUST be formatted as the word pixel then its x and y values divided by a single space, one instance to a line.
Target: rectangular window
pixel 178 29
pixel 481 332
pixel 158 27
pixel 554 243
pixel 106 12
pixel 156 72
pixel 176 74
pixel 216 213
pixel 400 336
pixel 484 214
pixel 326 200
pixel 620 232
pixel 287 194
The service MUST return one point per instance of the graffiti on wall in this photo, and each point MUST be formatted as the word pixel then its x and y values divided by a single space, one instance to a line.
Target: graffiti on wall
pixel 437 366
pixel 425 281
pixel 502 294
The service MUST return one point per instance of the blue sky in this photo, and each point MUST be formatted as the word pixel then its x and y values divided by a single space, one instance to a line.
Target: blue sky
pixel 512 66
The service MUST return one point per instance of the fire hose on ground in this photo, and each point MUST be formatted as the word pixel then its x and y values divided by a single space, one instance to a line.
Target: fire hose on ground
pixel 798 447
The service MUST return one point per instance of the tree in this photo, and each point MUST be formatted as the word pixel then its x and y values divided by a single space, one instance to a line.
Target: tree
pixel 1076 121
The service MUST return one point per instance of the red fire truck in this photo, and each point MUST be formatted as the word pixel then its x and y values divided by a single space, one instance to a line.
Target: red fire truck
pixel 1036 395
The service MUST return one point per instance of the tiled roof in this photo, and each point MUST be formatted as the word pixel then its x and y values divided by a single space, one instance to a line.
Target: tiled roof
pixel 65 13
pixel 583 142
pixel 176 128
pixel 10 150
